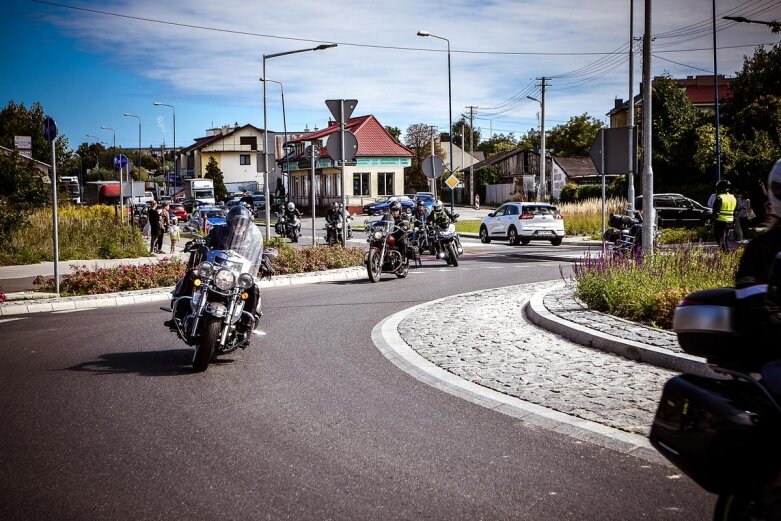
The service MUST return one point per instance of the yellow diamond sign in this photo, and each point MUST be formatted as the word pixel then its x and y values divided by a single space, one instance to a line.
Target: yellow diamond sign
pixel 452 182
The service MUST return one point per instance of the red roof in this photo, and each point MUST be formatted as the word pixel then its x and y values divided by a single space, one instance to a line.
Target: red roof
pixel 373 139
pixel 703 94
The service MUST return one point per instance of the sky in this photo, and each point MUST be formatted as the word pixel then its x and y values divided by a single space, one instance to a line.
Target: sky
pixel 87 62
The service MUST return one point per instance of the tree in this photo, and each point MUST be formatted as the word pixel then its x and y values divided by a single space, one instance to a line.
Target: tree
pixel 214 173
pixel 573 138
pixel 395 132
pixel 418 139
pixel 497 144
pixel 461 129
pixel 18 120
pixel 530 141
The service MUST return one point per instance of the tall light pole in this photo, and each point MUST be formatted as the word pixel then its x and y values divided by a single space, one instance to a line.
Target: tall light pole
pixel 449 104
pixel 716 98
pixel 139 152
pixel 176 170
pixel 97 155
pixel 113 150
pixel 774 25
pixel 284 128
pixel 265 128
pixel 543 163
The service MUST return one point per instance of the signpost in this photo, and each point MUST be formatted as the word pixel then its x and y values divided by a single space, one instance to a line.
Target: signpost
pixel 50 133
pixel 342 146
pixel 120 162
pixel 611 155
pixel 313 153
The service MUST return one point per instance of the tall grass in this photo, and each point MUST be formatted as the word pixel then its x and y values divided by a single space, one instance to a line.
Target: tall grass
pixel 585 217
pixel 90 232
pixel 648 290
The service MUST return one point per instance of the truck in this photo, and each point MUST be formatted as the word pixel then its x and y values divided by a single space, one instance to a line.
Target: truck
pixel 70 186
pixel 102 192
pixel 199 189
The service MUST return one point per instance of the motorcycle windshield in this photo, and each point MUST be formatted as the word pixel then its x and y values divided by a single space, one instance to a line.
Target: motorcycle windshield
pixel 240 250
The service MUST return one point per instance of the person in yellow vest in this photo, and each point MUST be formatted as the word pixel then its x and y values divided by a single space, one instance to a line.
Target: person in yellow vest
pixel 723 212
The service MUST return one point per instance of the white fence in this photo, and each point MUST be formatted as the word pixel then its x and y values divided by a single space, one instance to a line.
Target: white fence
pixel 497 194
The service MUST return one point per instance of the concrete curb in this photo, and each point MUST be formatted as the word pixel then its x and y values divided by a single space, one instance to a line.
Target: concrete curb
pixel 538 314
pixel 386 338
pixel 163 294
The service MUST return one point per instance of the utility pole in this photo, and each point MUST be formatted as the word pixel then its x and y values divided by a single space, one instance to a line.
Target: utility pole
pixel 543 162
pixel 649 217
pixel 716 98
pixel 472 154
pixel 434 180
pixel 630 176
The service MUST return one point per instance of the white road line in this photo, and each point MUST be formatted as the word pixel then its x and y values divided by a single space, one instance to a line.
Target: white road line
pixel 73 310
pixel 12 319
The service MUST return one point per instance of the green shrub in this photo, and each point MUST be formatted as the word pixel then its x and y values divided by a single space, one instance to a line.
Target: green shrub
pixel 312 258
pixel 684 235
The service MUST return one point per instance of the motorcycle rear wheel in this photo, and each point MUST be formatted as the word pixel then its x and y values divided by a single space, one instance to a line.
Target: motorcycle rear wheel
pixel 452 256
pixel 204 351
pixel 374 266
pixel 404 270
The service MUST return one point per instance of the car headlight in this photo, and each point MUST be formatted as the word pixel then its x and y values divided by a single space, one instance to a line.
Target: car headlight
pixel 378 235
pixel 225 280
pixel 245 280
pixel 205 270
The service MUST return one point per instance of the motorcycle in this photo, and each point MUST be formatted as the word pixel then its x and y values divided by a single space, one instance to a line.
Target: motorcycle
pixel 222 311
pixel 334 229
pixel 623 238
pixel 385 255
pixel 722 430
pixel 447 243
pixel 287 228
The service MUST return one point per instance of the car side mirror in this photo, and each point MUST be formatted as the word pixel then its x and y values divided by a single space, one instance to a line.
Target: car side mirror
pixel 491 214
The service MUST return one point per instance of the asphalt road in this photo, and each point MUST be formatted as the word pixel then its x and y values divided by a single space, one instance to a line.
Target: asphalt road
pixel 103 418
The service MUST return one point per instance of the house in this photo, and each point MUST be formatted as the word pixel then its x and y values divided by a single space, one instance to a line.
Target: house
pixel 520 169
pixel 378 168
pixel 238 151
pixel 577 170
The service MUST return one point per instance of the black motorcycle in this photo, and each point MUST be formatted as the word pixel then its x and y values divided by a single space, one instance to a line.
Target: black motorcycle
pixel 446 242
pixel 285 227
pixel 624 237
pixel 723 430
pixel 334 229
pixel 385 254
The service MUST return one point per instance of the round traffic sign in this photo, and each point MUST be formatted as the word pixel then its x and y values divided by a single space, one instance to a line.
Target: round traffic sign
pixel 49 129
pixel 312 151
pixel 334 146
pixel 433 166
pixel 120 161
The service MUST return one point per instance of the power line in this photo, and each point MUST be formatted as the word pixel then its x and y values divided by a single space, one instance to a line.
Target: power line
pixel 681 64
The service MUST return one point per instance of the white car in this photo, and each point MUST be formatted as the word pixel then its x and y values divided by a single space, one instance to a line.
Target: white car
pixel 523 222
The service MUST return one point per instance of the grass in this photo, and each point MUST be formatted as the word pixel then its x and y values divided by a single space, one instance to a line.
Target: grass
pixel 585 217
pixel 84 233
pixel 648 290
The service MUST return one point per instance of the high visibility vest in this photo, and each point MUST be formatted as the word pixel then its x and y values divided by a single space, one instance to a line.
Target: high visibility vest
pixel 727 210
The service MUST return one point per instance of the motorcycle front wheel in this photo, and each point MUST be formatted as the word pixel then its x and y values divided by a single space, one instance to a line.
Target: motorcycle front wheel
pixel 374 266
pixel 210 335
pixel 294 236
pixel 451 253
pixel 403 270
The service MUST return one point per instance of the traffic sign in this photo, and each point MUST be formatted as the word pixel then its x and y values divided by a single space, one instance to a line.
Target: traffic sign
pixel 334 146
pixel 432 171
pixel 120 161
pixel 312 151
pixel 452 182
pixel 334 105
pixel 49 129
pixel 611 148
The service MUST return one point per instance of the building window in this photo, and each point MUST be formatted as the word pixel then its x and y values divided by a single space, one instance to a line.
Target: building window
pixel 251 141
pixel 385 183
pixel 244 159
pixel 361 183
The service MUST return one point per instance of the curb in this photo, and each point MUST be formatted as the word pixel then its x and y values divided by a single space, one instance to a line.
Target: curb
pixel 386 338
pixel 538 314
pixel 163 294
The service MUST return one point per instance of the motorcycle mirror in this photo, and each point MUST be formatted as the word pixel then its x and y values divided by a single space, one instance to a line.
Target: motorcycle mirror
pixel 188 246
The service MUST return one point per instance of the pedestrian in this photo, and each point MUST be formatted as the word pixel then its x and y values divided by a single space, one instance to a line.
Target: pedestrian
pixel 723 213
pixel 738 229
pixel 173 233
pixel 165 222
pixel 745 214
pixel 477 201
pixel 153 218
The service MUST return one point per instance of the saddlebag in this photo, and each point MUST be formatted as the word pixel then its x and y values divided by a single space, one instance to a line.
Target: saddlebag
pixel 722 433
pixel 704 323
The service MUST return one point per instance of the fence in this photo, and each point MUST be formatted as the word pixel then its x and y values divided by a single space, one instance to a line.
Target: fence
pixel 497 194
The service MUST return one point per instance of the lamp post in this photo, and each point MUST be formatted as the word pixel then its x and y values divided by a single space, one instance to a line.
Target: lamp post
pixel 284 128
pixel 139 151
pixel 97 155
pixel 113 150
pixel 176 170
pixel 774 25
pixel 542 191
pixel 265 128
pixel 449 104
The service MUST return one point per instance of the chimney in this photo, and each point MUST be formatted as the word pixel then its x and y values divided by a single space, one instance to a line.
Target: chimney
pixel 619 103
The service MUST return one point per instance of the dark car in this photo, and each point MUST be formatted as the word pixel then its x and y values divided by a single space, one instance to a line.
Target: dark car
pixel 382 204
pixel 677 211
pixel 191 204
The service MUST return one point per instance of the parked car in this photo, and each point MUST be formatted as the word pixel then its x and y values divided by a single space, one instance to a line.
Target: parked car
pixel 191 204
pixel 214 217
pixel 381 205
pixel 426 197
pixel 178 210
pixel 523 222
pixel 259 202
pixel 677 211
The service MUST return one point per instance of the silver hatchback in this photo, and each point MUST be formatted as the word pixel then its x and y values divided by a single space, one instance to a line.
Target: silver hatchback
pixel 522 223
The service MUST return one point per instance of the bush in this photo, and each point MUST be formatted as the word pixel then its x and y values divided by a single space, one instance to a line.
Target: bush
pixel 313 258
pixel 648 290
pixel 684 235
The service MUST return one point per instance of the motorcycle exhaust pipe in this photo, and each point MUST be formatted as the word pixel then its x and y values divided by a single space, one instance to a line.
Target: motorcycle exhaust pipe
pixel 441 255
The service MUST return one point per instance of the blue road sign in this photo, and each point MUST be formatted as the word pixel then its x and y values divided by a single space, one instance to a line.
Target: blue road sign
pixel 120 161
pixel 49 129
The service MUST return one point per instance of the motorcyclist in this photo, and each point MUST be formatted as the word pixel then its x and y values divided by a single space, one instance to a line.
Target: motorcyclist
pixel 439 216
pixel 419 220
pixel 758 279
pixel 291 212
pixel 401 221
pixel 723 212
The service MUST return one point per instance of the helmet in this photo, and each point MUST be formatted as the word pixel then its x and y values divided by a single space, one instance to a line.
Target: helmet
pixel 438 206
pixel 421 203
pixel 723 186
pixel 774 188
pixel 291 206
pixel 239 216
pixel 395 206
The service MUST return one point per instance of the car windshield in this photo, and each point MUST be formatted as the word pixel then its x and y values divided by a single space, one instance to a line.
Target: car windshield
pixel 214 214
pixel 539 210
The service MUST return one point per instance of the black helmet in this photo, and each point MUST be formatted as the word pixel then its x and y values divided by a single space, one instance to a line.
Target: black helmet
pixel 395 206
pixel 239 216
pixel 723 186
pixel 438 206
pixel 421 203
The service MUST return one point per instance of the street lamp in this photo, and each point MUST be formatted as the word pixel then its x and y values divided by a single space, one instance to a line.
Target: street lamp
pixel 139 151
pixel 176 170
pixel 97 155
pixel 449 105
pixel 284 127
pixel 265 129
pixel 774 25
pixel 543 162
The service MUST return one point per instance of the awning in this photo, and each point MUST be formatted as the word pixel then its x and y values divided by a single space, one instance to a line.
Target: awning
pixel 110 190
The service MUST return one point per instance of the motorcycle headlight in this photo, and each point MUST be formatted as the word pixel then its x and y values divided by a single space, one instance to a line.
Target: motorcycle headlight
pixel 378 235
pixel 245 280
pixel 225 280
pixel 339 226
pixel 205 270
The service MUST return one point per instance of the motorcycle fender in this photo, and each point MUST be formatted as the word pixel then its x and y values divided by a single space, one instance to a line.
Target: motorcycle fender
pixel 237 312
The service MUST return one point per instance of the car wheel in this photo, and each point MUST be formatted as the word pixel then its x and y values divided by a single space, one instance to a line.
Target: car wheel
pixel 512 236
pixel 556 241
pixel 484 238
pixel 525 240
